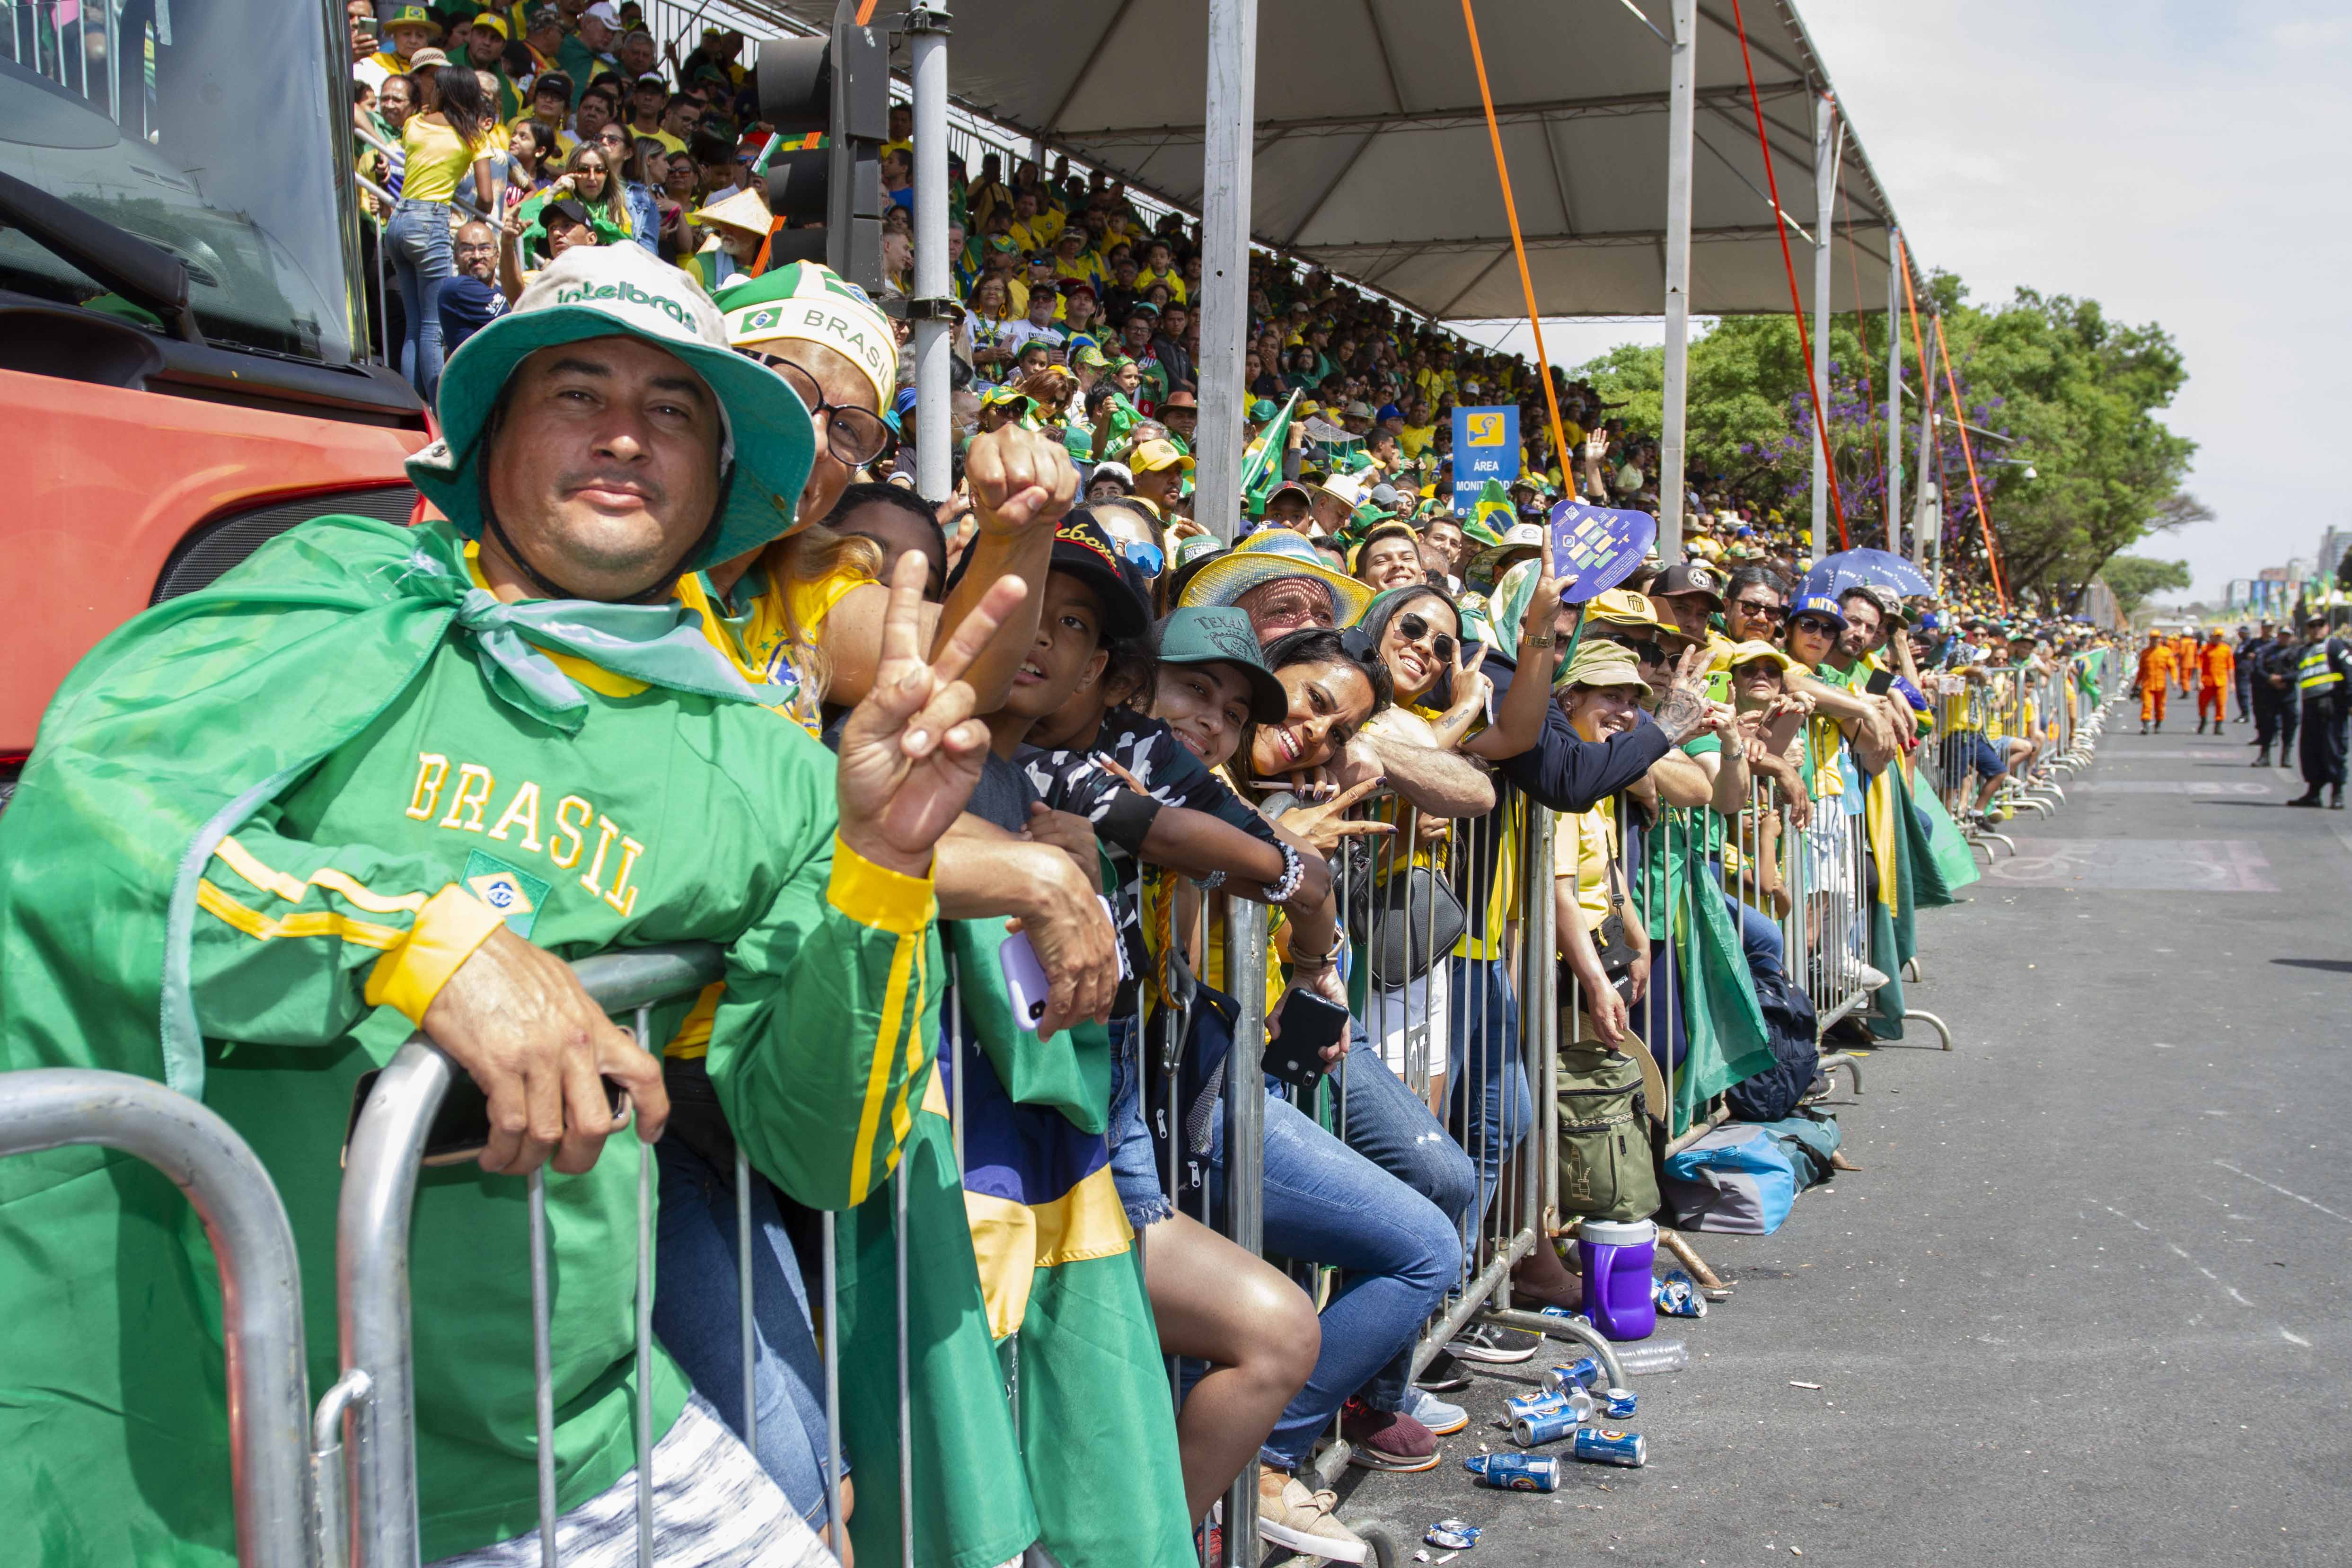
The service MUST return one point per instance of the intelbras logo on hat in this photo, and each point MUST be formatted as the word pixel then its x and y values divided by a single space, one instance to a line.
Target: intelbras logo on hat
pixel 629 293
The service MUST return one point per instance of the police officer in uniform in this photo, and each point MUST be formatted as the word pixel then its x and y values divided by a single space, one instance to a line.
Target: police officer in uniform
pixel 2276 708
pixel 2320 672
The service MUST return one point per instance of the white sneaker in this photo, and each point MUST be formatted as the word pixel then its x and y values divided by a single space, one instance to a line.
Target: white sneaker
pixel 1437 1415
pixel 1873 979
pixel 1300 1520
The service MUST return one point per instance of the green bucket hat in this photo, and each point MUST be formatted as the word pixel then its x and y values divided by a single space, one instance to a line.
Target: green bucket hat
pixel 1202 634
pixel 1601 663
pixel 623 290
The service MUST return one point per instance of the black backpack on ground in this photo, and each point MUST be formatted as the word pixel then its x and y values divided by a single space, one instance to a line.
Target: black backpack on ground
pixel 1792 1028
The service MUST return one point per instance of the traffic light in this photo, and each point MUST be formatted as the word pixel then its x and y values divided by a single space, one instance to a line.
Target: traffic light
pixel 829 100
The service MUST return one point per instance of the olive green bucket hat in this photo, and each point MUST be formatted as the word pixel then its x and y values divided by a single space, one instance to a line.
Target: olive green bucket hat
pixel 768 439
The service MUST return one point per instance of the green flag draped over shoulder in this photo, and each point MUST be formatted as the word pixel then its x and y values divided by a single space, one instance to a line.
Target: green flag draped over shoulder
pixel 1059 1278
pixel 1262 470
pixel 1723 1023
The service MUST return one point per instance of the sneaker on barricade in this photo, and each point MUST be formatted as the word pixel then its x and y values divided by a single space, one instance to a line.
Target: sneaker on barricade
pixel 1495 1344
pixel 1439 1416
pixel 1386 1440
pixel 1300 1520
pixel 1443 1374
pixel 1875 979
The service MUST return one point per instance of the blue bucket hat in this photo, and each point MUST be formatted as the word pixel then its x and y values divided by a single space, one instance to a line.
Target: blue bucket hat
pixel 768 441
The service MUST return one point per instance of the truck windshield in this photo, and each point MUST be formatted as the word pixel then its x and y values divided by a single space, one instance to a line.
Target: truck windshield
pixel 204 126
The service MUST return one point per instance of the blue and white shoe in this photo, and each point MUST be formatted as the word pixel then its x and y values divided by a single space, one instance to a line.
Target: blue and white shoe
pixel 1433 1412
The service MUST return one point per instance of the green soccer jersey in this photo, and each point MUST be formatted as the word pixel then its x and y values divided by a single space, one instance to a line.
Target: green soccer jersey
pixel 323 924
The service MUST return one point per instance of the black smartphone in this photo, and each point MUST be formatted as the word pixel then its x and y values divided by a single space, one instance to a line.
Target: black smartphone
pixel 1881 682
pixel 461 1128
pixel 1309 1026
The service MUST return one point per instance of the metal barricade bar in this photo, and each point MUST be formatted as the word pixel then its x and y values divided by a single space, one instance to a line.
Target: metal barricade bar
pixel 260 1277
pixel 371 1259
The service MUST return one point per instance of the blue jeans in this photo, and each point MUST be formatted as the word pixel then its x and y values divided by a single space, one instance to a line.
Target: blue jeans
pixel 1328 1204
pixel 1387 1123
pixel 1483 1018
pixel 1140 1190
pixel 695 1319
pixel 417 244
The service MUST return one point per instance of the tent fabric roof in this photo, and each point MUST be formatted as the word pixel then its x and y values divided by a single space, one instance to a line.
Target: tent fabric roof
pixel 1372 156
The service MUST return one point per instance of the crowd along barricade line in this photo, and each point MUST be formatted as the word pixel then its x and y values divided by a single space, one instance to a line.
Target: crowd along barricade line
pixel 270 1420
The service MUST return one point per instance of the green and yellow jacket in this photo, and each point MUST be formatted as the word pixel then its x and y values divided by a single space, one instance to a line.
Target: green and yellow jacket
pixel 272 817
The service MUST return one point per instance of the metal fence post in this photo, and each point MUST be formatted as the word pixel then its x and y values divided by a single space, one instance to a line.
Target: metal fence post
pixel 1244 1196
pixel 260 1277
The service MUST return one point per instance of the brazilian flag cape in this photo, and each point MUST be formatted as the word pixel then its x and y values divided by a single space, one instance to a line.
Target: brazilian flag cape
pixel 1033 1357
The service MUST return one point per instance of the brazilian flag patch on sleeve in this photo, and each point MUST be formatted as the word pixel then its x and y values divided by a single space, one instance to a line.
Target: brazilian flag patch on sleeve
pixel 510 890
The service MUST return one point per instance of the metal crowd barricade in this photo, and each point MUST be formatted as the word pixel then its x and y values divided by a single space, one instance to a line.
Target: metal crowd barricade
pixel 377 1392
pixel 260 1277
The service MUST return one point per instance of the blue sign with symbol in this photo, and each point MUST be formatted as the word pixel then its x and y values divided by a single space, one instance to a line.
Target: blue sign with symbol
pixel 1485 447
pixel 1594 548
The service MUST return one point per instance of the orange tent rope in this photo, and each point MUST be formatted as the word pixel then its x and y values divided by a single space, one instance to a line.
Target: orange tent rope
pixel 1796 305
pixel 1919 345
pixel 1984 518
pixel 1519 248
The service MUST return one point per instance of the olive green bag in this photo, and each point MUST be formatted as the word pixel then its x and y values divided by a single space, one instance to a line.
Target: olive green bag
pixel 1605 1169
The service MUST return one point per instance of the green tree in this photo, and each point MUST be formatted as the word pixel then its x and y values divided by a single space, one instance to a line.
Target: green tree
pixel 2132 578
pixel 2062 390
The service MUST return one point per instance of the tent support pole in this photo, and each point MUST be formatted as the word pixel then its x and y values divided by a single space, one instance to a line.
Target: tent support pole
pixel 927 31
pixel 1825 197
pixel 1681 116
pixel 1928 521
pixel 1894 391
pixel 1232 110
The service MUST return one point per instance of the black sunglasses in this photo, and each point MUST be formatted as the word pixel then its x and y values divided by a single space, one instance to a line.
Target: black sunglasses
pixel 854 436
pixel 1646 652
pixel 1413 628
pixel 1773 613
pixel 1814 624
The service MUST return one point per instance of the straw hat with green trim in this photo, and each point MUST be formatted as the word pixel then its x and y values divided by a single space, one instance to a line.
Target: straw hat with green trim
pixel 768 441
pixel 408 17
pixel 1268 556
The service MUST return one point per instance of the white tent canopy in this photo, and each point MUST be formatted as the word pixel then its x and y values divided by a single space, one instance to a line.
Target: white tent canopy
pixel 1372 156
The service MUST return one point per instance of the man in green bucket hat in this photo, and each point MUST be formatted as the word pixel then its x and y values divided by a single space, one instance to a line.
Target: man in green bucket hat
pixel 380 778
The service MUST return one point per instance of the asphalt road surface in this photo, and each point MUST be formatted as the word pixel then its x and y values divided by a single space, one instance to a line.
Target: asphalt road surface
pixel 2084 1304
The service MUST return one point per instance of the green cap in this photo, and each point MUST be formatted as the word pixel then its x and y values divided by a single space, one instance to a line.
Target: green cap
pixel 1263 410
pixel 1200 634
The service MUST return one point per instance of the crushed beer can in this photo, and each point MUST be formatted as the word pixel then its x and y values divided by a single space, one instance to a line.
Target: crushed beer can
pixel 1614 1404
pixel 1451 1532
pixel 1677 1294
pixel 1604 1446
pixel 1515 1472
pixel 1585 1373
pixel 1550 1428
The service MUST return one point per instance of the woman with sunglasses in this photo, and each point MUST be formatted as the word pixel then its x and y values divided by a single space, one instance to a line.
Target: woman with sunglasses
pixel 805 612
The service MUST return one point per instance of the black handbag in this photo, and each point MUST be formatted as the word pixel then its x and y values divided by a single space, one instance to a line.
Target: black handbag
pixel 1401 927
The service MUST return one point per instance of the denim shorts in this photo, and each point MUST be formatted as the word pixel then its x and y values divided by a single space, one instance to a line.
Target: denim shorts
pixel 1132 1167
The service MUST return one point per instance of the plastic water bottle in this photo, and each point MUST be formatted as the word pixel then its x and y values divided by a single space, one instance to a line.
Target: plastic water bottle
pixel 1666 1355
pixel 1617 1260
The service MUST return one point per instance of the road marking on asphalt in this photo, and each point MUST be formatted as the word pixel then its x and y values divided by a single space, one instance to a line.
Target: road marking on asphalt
pixel 2282 1192
pixel 2137 865
pixel 2176 786
pixel 2293 1339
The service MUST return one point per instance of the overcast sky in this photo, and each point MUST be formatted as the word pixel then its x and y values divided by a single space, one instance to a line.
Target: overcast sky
pixel 2186 165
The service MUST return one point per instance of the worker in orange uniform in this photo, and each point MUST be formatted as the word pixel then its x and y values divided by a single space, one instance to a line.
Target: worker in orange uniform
pixel 2158 669
pixel 2184 662
pixel 2217 672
